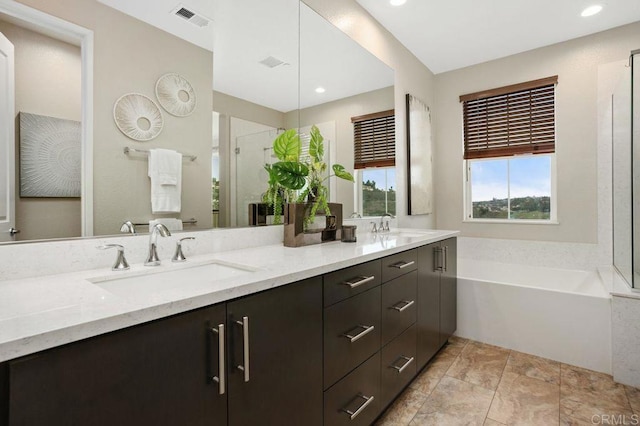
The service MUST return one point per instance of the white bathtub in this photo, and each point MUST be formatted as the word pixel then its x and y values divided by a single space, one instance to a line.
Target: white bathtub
pixel 560 314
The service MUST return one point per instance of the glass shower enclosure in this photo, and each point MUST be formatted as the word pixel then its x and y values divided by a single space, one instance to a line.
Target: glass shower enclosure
pixel 626 173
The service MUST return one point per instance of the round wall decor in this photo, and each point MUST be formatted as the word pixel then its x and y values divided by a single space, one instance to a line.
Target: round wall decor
pixel 176 95
pixel 138 117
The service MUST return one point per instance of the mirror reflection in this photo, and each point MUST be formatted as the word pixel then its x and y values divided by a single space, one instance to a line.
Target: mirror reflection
pixel 264 63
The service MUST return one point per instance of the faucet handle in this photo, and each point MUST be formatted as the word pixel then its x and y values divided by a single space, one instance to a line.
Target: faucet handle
pixel 373 227
pixel 179 255
pixel 120 263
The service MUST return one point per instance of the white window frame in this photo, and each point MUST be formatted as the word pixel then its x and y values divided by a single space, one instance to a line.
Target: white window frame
pixel 468 203
pixel 357 196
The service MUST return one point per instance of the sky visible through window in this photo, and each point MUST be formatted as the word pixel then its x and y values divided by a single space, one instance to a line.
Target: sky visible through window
pixel 377 176
pixel 529 177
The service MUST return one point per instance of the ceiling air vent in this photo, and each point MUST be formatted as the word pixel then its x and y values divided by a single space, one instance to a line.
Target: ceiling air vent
pixel 272 62
pixel 191 16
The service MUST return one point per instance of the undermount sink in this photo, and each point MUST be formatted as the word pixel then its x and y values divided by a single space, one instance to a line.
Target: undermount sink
pixel 171 280
pixel 409 234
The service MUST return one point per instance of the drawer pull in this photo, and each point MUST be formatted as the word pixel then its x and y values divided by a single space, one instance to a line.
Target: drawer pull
pixel 353 414
pixel 366 330
pixel 358 281
pixel 220 380
pixel 405 365
pixel 402 264
pixel 405 305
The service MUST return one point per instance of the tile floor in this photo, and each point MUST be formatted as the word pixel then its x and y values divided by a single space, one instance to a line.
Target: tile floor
pixel 471 383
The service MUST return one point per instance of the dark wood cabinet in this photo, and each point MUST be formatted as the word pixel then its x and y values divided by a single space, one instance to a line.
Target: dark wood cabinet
pixel 398 365
pixel 348 282
pixel 333 349
pixel 157 373
pixel 398 305
pixel 355 400
pixel 284 344
pixel 437 293
pixel 448 290
pixel 351 334
pixel 168 372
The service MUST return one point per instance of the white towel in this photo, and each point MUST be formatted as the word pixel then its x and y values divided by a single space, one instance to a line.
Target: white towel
pixel 171 223
pixel 165 166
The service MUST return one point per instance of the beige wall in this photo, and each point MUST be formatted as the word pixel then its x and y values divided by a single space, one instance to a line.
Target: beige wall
pixel 576 63
pixel 129 56
pixel 411 76
pixel 340 112
pixel 47 82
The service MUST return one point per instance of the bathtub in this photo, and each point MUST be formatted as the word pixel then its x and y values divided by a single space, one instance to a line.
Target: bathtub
pixel 560 314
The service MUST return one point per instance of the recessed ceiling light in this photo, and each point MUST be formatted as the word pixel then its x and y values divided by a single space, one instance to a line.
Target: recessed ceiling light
pixel 320 90
pixel 591 10
pixel 397 2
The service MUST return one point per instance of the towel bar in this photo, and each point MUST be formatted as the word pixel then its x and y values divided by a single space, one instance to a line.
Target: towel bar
pixel 127 150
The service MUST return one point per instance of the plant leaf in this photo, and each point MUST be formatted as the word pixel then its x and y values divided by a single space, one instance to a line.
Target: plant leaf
pixel 287 146
pixel 316 146
pixel 340 172
pixel 290 174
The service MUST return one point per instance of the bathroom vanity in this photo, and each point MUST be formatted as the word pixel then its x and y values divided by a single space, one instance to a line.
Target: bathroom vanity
pixel 326 334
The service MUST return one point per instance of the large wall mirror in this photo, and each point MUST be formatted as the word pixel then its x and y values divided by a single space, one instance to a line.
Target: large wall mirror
pixel 254 67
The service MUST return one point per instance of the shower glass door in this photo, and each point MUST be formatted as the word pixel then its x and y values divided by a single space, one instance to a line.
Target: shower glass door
pixel 253 151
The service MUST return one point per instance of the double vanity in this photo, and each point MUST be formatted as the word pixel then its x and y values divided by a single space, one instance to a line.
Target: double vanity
pixel 326 334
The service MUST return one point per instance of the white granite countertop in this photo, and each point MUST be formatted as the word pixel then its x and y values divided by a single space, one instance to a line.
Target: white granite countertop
pixel 47 311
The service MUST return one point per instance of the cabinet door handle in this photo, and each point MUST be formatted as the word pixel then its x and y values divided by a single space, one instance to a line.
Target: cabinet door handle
pixel 366 401
pixel 407 361
pixel 405 305
pixel 358 281
pixel 245 347
pixel 366 330
pixel 437 266
pixel 402 264
pixel 444 258
pixel 220 379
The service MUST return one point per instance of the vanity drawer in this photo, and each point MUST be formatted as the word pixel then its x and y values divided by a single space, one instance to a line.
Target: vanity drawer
pixel 399 298
pixel 398 365
pixel 399 264
pixel 355 400
pixel 351 334
pixel 342 284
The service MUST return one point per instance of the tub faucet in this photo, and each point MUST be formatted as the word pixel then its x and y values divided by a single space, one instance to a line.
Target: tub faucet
pixel 384 226
pixel 158 228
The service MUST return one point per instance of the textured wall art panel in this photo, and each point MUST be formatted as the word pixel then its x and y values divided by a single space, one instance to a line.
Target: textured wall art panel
pixel 50 155
pixel 419 157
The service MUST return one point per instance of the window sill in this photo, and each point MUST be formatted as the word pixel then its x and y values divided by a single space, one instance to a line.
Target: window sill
pixel 513 221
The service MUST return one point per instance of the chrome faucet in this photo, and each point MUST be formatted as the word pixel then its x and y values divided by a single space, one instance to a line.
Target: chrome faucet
pixel 158 228
pixel 179 255
pixel 128 227
pixel 384 226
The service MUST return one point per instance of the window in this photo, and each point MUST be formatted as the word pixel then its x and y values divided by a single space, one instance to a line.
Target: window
pixel 374 162
pixel 509 152
pixel 377 190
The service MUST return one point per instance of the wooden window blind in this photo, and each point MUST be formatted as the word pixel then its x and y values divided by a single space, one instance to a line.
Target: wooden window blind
pixel 511 120
pixel 374 138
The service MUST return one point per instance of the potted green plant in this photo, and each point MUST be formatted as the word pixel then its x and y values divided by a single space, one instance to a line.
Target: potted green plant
pixel 295 174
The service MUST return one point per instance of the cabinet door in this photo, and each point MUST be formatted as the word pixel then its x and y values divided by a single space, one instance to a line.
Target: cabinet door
pixel 282 352
pixel 153 374
pixel 448 290
pixel 428 322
